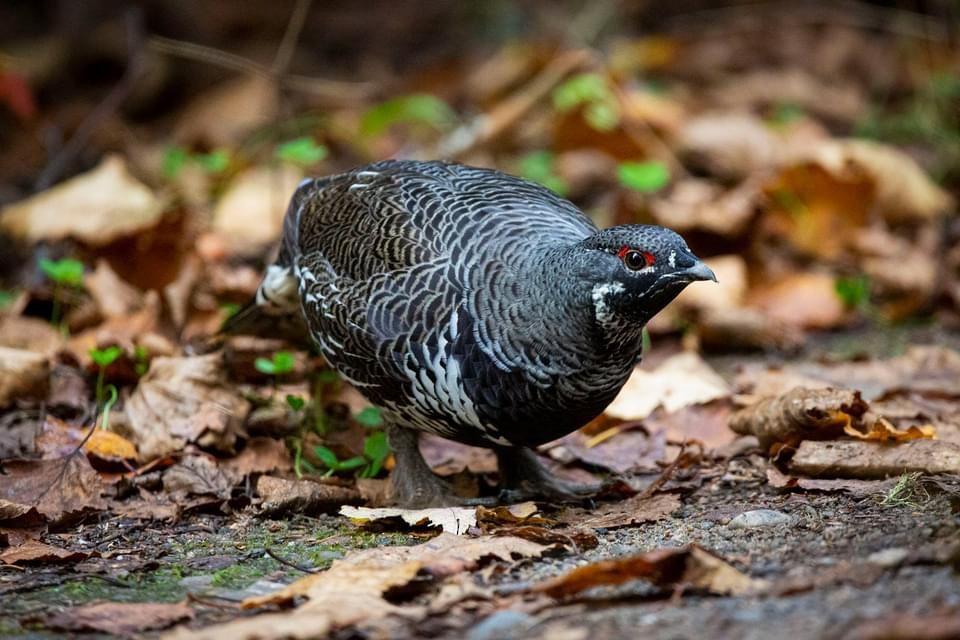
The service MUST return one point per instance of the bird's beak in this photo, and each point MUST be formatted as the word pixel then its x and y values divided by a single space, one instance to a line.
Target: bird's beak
pixel 699 271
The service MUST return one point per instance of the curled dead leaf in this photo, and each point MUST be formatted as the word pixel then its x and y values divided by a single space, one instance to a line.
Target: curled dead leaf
pixel 685 567
pixel 456 520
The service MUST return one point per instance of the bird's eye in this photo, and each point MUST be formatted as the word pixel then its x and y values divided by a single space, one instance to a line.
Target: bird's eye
pixel 635 260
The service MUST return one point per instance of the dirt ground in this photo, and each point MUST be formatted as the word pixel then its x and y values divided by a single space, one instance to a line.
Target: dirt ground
pixel 880 562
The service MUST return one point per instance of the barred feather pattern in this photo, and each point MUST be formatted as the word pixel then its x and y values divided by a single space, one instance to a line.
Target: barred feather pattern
pixel 451 297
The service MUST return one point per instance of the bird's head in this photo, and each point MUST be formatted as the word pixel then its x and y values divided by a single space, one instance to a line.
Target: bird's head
pixel 634 271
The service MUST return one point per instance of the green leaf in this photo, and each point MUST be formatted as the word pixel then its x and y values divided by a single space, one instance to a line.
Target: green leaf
pixel 303 152
pixel 370 417
pixel 264 366
pixel 66 271
pixel 418 108
pixel 853 292
pixel 105 357
pixel 538 166
pixel 602 115
pixel 295 402
pixel 283 362
pixel 376 446
pixel 7 298
pixel 174 160
pixel 785 113
pixel 645 177
pixel 327 457
pixel 580 89
pixel 229 309
pixel 214 162
pixel 351 463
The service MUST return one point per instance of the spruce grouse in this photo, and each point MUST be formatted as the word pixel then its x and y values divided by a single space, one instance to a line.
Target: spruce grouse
pixel 470 304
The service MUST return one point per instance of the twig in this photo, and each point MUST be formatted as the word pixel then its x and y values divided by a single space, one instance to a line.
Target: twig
pixel 491 125
pixel 58 163
pixel 289 43
pixel 665 474
pixel 289 563
pixel 332 90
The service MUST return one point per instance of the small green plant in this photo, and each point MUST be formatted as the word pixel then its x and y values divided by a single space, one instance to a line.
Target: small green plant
pixel 785 113
pixel 645 177
pixel 282 362
pixel 592 93
pixel 7 298
pixel 296 403
pixel 64 273
pixel 417 109
pixel 141 360
pixel 376 448
pixel 324 382
pixel 907 492
pixel 103 358
pixel 107 406
pixel 539 166
pixel 854 292
pixel 334 464
pixel 175 160
pixel 302 152
pixel 370 417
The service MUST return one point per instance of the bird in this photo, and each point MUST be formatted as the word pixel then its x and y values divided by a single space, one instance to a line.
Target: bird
pixel 470 304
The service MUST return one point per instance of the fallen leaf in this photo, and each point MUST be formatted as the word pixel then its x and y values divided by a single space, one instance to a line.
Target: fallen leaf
pixel 858 488
pixel 730 145
pixel 520 513
pixel 36 552
pixel 120 618
pixel 24 375
pixel 631 511
pixel 869 460
pixel 446 457
pixel 903 190
pixel 223 114
pixel 456 520
pixel 680 381
pixel 280 495
pixel 96 207
pixel 576 539
pixel 352 589
pixel 62 490
pixel 112 295
pixel 697 205
pixel 800 414
pixel 184 400
pixel 260 455
pixel 198 475
pixel 882 430
pixel 629 450
pixel 686 567
pixel 110 447
pixel 30 334
pixel 706 423
pixel 803 300
pixel 269 626
pixel 250 212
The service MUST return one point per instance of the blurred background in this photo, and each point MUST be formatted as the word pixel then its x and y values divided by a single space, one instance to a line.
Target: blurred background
pixel 810 150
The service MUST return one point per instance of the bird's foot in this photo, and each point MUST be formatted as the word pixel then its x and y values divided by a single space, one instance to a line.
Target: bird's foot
pixel 524 478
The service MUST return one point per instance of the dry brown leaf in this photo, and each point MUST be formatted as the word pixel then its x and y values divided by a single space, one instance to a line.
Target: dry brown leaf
pixel 871 460
pixel 30 334
pixel 120 618
pixel 622 451
pixel 352 590
pixel 36 552
pixel 446 457
pixel 680 381
pixel 802 300
pixel 520 513
pixel 269 626
pixel 110 447
pixel 729 145
pixel 24 375
pixel 685 567
pixel 857 488
pixel 250 212
pixel 281 495
pixel 705 423
pixel 694 204
pixel 197 476
pixel 632 511
pixel 903 190
pixel 61 489
pixel 261 455
pixel 800 414
pixel 222 114
pixel 96 207
pixel 456 520
pixel 882 430
pixel 184 400
pixel 112 295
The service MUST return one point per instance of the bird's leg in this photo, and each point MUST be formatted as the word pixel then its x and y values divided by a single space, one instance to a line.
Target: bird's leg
pixel 414 484
pixel 523 477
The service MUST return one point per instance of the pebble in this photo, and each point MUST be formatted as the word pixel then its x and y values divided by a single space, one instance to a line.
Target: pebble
pixel 889 558
pixel 760 518
pixel 502 624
